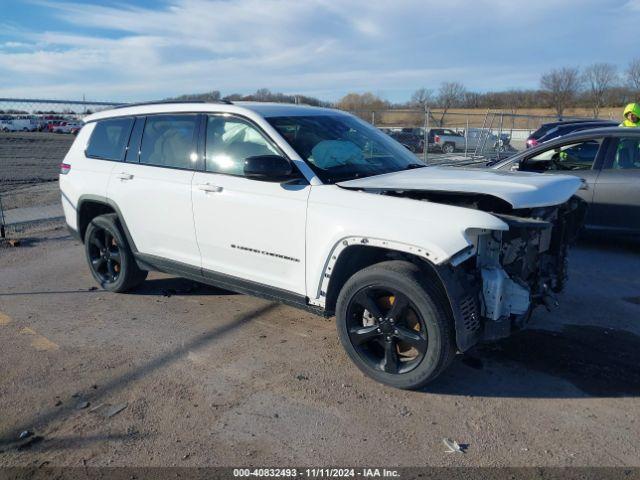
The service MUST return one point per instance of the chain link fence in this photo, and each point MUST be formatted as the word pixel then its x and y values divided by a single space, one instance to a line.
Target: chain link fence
pixel 457 136
pixel 35 136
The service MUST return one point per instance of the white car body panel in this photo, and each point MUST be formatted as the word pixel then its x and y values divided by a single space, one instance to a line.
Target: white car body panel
pixel 252 230
pixel 87 176
pixel 156 206
pixel 336 214
pixel 521 190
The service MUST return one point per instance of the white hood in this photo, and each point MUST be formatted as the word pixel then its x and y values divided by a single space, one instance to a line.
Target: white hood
pixel 520 189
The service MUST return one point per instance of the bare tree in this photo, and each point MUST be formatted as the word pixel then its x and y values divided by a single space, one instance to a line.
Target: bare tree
pixel 633 75
pixel 421 98
pixel 514 100
pixel 471 99
pixel 362 104
pixel 561 87
pixel 450 95
pixel 599 79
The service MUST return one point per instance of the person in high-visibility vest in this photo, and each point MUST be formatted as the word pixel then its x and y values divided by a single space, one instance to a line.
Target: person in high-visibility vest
pixel 631 116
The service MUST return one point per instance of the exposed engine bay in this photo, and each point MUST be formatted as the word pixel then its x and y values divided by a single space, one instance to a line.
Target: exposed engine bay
pixel 512 271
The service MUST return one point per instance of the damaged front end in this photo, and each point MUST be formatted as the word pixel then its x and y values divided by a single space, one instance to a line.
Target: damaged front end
pixel 495 283
pixel 513 271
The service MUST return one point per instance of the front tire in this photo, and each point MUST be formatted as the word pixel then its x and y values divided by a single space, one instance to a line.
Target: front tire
pixel 109 256
pixel 395 325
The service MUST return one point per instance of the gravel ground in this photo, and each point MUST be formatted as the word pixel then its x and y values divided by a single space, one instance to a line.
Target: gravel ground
pixel 206 377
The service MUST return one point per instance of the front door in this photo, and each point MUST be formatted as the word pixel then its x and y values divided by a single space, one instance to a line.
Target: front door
pixel 249 229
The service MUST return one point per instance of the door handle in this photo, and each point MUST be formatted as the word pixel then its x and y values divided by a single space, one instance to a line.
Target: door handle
pixel 207 187
pixel 124 176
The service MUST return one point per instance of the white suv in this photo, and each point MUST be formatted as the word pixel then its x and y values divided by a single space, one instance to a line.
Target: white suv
pixel 318 209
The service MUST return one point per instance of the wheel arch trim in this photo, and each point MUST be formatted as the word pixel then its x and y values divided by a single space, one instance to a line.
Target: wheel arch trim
pixel 110 203
pixel 346 242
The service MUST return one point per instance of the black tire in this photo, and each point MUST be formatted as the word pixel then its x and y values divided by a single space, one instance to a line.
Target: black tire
pixel 448 148
pixel 109 256
pixel 426 305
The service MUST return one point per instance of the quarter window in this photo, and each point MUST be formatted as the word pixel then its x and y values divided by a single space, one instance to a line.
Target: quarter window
pixel 109 139
pixel 169 141
pixel 230 141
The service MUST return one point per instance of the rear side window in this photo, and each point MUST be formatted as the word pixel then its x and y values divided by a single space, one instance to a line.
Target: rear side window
pixel 109 139
pixel 169 141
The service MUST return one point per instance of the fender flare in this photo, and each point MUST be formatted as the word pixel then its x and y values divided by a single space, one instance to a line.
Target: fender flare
pixel 106 201
pixel 341 245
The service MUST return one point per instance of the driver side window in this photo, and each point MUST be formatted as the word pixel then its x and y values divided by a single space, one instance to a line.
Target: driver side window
pixel 230 141
pixel 575 156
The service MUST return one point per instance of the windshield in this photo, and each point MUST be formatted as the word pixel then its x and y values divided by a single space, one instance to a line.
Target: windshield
pixel 341 147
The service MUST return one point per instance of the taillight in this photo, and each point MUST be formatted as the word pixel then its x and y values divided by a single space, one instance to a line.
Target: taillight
pixel 64 168
pixel 532 142
pixel 437 138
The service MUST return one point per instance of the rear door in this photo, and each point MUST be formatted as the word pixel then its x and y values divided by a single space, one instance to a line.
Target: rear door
pixel 249 229
pixel 616 201
pixel 152 188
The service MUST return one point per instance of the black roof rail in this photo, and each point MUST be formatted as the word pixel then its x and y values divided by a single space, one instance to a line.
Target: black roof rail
pixel 163 102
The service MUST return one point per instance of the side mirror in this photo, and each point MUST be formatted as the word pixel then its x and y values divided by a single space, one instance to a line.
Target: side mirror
pixel 268 168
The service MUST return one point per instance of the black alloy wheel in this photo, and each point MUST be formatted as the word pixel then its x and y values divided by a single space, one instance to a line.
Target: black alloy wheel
pixel 395 323
pixel 386 330
pixel 109 256
pixel 104 255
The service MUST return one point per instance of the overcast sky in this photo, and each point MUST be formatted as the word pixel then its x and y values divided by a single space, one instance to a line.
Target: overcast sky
pixel 143 50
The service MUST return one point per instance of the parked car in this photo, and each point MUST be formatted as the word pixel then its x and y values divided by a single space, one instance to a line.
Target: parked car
pixel 319 210
pixel 567 126
pixel 409 140
pixel 66 127
pixel 52 124
pixel 445 140
pixel 17 125
pixel 448 141
pixel 608 162
pixel 573 127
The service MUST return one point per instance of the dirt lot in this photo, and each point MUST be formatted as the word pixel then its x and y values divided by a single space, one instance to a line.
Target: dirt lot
pixel 30 158
pixel 207 377
pixel 29 167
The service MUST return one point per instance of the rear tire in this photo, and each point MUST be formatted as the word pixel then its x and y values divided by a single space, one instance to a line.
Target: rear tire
pixel 448 148
pixel 407 351
pixel 109 256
